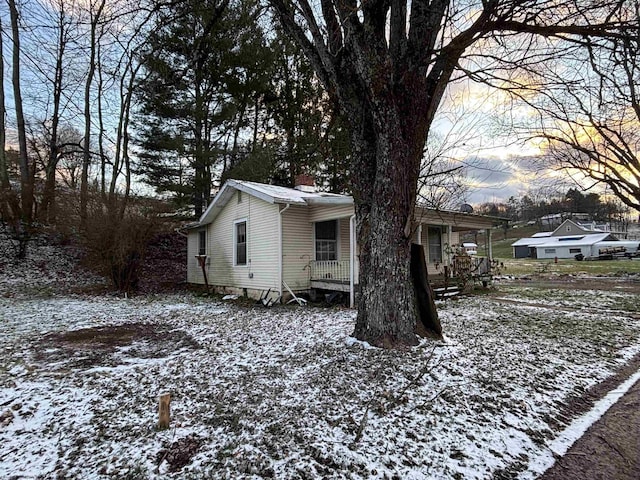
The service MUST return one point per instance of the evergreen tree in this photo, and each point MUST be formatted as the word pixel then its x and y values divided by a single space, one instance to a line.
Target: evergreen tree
pixel 202 73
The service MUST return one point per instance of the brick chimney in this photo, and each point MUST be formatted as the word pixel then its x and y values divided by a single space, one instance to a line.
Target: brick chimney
pixel 305 183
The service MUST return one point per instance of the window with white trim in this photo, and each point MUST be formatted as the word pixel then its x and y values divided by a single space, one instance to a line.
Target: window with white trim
pixel 327 240
pixel 575 250
pixel 240 243
pixel 202 242
pixel 434 239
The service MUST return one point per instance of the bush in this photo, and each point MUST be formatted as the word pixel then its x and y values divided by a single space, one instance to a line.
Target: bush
pixel 116 246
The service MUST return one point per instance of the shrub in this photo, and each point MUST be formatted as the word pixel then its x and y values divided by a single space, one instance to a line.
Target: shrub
pixel 116 246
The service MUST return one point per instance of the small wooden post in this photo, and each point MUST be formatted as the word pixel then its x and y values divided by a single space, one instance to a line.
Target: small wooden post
pixel 164 410
pixel 202 261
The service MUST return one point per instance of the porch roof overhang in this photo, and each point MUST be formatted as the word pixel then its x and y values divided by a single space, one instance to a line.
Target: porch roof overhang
pixel 460 221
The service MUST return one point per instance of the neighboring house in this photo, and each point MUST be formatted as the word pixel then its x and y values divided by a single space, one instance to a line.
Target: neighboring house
pixel 555 219
pixel 569 240
pixel 263 240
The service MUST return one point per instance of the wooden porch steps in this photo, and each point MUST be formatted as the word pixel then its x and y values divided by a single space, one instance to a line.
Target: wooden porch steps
pixel 447 291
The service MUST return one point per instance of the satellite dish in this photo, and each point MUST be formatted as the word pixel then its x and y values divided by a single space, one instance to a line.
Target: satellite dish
pixel 466 208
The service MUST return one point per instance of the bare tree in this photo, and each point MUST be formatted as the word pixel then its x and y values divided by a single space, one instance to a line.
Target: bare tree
pixel 56 76
pixel 95 13
pixel 20 214
pixel 4 167
pixel 442 183
pixel 592 125
pixel 70 153
pixel 389 63
pixel 27 170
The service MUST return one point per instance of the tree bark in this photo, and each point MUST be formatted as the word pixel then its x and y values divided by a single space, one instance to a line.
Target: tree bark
pixel 387 308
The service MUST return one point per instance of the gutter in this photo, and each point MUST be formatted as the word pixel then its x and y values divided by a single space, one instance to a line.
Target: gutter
pixel 352 260
pixel 280 279
pixel 180 232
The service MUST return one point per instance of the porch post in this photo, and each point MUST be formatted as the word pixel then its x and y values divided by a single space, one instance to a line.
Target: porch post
pixel 489 246
pixel 450 250
pixel 352 260
pixel 419 234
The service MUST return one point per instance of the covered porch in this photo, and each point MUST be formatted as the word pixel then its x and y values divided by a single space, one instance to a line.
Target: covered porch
pixel 334 265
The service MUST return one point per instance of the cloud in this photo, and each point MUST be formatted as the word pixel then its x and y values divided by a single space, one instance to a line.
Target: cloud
pixel 495 179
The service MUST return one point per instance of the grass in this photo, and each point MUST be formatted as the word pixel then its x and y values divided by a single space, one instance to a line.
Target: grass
pixel 528 266
pixel 503 252
pixel 571 298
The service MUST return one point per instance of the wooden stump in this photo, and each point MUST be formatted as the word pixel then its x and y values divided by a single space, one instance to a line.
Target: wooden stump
pixel 164 411
pixel 428 323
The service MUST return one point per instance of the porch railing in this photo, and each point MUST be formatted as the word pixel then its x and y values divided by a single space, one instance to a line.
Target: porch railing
pixel 330 270
pixel 464 265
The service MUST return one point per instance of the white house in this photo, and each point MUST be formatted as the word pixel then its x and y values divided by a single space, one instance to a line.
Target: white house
pixel 569 240
pixel 263 240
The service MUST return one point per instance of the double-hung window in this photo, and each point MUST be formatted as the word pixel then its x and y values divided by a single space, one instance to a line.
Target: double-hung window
pixel 202 242
pixel 240 241
pixel 327 240
pixel 434 238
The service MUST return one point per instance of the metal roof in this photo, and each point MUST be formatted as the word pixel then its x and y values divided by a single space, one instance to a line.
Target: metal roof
pixel 270 194
pixel 275 194
pixel 574 241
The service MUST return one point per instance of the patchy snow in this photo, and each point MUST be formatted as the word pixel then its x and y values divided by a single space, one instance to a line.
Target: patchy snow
pixel 48 270
pixel 287 393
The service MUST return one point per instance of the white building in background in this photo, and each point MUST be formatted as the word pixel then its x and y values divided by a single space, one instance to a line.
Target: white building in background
pixel 571 240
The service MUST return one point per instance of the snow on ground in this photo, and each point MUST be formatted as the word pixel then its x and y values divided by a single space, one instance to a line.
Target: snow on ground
pixel 47 270
pixel 286 393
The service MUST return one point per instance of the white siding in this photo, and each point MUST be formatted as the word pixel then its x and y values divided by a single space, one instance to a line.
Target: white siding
pixel 343 238
pixel 320 213
pixel 261 271
pixel 563 251
pixel 455 238
pixel 297 251
pixel 554 251
pixel 194 272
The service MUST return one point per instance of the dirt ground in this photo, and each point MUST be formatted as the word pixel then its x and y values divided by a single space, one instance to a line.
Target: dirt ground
pixel 610 448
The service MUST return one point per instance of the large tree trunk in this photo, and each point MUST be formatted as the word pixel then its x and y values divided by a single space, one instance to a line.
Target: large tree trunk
pixel 386 157
pixel 387 308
